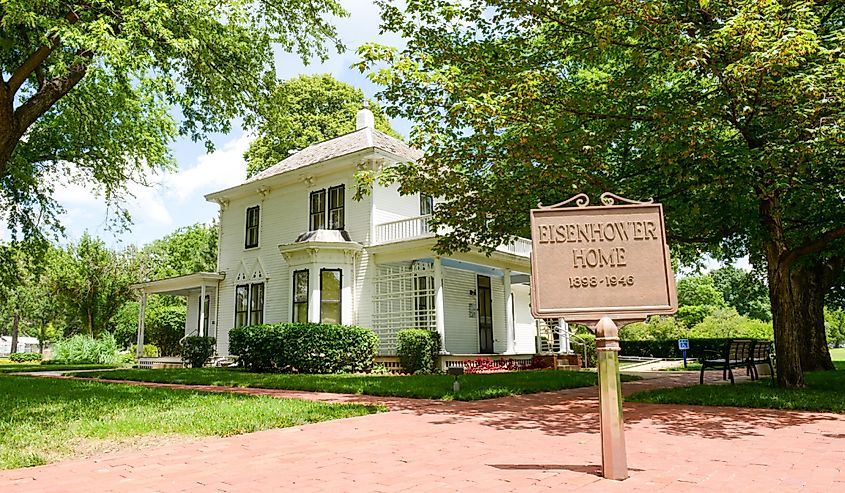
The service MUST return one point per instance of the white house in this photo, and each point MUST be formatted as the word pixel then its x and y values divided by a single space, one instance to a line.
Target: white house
pixel 295 246
pixel 25 345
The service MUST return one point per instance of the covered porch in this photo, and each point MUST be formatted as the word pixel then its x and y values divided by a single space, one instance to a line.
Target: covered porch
pixel 478 303
pixel 200 292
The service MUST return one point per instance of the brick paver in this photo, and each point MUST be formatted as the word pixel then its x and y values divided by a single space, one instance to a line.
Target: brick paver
pixel 535 442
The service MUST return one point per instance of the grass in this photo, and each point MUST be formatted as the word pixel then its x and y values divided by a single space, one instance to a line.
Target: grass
pixel 44 420
pixel 823 392
pixel 837 354
pixel 21 367
pixel 473 387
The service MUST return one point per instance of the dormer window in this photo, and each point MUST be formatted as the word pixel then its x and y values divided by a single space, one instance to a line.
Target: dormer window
pixel 251 236
pixel 331 217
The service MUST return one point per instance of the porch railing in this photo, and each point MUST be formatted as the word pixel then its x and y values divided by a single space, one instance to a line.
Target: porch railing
pixel 420 227
pixel 404 229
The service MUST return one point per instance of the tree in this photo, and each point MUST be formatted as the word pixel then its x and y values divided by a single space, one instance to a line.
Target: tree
pixel 835 324
pixel 185 251
pixel 743 291
pixel 303 111
pixel 87 89
pixel 730 113
pixel 91 282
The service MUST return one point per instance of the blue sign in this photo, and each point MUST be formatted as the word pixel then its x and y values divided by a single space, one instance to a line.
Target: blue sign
pixel 683 344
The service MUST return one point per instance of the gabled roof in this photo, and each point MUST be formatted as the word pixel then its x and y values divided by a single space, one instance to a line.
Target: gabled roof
pixel 362 139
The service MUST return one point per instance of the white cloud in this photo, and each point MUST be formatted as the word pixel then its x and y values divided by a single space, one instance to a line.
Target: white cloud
pixel 173 199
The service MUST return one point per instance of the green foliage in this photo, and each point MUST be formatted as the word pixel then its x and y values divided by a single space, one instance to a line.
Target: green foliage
pixel 589 341
pixel 419 350
pixel 165 326
pixel 473 387
pixel 691 315
pixel 743 291
pixel 699 291
pixel 834 322
pixel 83 349
pixel 185 251
pixel 45 419
pixel 157 69
pixel 669 348
pixel 197 349
pixel 149 351
pixel 304 347
pixel 823 393
pixel 24 357
pixel 124 324
pixel 655 328
pixel 91 282
pixel 719 110
pixel 303 111
pixel 731 325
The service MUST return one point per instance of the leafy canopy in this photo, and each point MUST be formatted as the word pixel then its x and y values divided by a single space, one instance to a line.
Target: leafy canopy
pixel 303 111
pixel 89 91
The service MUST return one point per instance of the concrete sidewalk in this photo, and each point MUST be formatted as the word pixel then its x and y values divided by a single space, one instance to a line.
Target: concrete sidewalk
pixel 527 443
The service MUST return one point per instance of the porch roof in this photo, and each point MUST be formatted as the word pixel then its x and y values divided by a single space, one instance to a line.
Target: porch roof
pixel 181 285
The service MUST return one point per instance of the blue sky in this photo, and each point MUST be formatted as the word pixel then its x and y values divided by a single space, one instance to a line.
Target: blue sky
pixel 176 198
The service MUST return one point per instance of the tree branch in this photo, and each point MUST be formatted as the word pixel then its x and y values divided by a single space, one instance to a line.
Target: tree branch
pixel 816 245
pixel 52 91
pixel 36 59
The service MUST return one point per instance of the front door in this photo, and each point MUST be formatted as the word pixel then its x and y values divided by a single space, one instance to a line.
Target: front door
pixel 485 315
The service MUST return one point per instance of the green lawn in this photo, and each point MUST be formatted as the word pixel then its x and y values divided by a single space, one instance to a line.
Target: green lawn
pixel 825 391
pixel 838 354
pixel 20 367
pixel 473 387
pixel 43 420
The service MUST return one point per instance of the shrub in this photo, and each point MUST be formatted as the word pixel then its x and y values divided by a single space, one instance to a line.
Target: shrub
pixel 150 351
pixel 165 327
pixel 197 349
pixel 83 349
pixel 304 347
pixel 589 340
pixel 654 329
pixel 731 325
pixel 669 349
pixel 419 350
pixel 24 357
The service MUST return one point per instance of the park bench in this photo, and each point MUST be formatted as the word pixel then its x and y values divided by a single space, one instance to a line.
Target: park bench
pixel 739 353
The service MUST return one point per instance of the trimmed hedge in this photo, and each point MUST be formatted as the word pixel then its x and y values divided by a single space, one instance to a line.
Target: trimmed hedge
pixel 419 350
pixel 669 349
pixel 24 357
pixel 304 347
pixel 197 349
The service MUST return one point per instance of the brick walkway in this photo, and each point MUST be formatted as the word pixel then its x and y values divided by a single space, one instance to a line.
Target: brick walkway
pixel 527 443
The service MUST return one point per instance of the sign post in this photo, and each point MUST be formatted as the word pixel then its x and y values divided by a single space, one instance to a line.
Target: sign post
pixel 683 345
pixel 605 266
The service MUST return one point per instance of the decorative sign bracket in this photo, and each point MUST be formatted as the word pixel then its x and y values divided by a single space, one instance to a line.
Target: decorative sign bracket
pixel 583 200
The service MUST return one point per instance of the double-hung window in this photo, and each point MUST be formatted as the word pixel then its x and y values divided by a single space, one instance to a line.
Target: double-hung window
pixel 426 205
pixel 317 210
pixel 330 292
pixel 249 304
pixel 300 296
pixel 251 236
pixel 326 210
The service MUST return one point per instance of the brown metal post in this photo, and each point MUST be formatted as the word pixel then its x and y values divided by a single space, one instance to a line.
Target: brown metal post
pixel 613 457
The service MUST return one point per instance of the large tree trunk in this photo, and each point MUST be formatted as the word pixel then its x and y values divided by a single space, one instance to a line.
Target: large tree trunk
pixel 786 326
pixel 810 283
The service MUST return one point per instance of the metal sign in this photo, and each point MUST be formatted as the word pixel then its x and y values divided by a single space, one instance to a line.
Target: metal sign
pixel 683 344
pixel 593 261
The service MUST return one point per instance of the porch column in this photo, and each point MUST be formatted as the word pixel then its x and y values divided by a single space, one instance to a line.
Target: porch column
pixel 439 313
pixel 201 328
pixel 510 332
pixel 563 330
pixel 142 315
pixel 314 295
